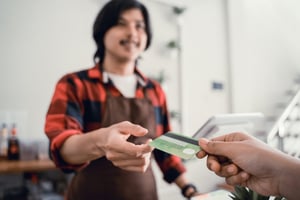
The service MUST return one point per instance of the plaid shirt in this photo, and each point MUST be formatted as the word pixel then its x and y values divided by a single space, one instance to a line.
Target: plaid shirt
pixel 77 107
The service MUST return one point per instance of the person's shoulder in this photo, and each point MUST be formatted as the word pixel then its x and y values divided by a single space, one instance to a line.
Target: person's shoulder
pixel 153 82
pixel 156 86
pixel 149 82
pixel 82 74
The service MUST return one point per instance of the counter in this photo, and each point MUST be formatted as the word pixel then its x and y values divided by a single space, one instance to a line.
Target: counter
pixel 7 166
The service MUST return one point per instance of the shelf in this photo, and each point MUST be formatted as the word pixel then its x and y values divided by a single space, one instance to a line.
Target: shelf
pixel 25 166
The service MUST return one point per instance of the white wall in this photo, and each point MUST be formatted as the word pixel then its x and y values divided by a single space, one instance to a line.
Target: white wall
pixel 205 61
pixel 251 44
pixel 42 40
pixel 265 47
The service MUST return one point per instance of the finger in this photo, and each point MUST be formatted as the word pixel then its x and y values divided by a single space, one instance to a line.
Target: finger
pixel 213 163
pixel 129 149
pixel 132 129
pixel 130 162
pixel 203 143
pixel 146 148
pixel 228 170
pixel 115 155
pixel 244 176
pixel 233 137
pixel 148 141
pixel 147 144
pixel 201 154
pixel 217 147
pixel 140 165
pixel 238 179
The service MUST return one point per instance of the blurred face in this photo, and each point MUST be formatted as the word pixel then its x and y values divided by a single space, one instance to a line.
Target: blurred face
pixel 127 39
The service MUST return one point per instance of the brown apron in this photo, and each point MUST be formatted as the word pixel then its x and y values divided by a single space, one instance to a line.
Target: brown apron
pixel 101 180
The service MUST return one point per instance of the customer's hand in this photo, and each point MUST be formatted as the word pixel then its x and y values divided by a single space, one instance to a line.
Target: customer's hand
pixel 243 160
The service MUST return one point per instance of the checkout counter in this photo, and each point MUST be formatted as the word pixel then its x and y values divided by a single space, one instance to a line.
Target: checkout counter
pixel 31 179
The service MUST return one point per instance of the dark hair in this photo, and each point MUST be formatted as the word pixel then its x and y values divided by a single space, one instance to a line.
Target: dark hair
pixel 109 16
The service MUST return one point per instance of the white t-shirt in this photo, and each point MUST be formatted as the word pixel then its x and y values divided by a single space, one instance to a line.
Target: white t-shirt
pixel 125 84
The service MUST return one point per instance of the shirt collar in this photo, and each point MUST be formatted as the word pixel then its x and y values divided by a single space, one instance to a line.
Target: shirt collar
pixel 97 72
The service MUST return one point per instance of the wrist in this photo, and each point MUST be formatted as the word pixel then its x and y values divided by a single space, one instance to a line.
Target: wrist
pixel 287 181
pixel 97 140
pixel 188 190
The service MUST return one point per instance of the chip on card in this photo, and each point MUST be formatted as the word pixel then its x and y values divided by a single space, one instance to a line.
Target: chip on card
pixel 176 144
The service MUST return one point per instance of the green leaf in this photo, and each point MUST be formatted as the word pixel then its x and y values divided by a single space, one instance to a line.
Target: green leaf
pixel 280 198
pixel 243 193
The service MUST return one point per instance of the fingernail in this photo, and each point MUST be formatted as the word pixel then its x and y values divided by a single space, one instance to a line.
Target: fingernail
pixel 211 166
pixel 244 175
pixel 230 169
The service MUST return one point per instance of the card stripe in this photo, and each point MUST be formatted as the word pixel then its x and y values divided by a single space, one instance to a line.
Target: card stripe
pixel 182 138
pixel 174 141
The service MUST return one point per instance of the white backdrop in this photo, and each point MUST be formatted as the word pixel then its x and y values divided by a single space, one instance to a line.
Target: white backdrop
pixel 252 44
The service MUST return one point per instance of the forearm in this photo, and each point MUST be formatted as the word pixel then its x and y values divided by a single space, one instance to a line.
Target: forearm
pixel 290 182
pixel 79 149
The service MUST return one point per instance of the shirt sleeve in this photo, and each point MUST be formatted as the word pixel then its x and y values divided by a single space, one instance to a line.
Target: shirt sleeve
pixel 63 120
pixel 170 165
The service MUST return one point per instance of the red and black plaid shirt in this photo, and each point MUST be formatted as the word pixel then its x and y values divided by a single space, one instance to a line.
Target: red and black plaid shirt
pixel 77 107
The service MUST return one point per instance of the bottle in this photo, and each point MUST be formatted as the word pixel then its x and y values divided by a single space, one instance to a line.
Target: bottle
pixel 13 145
pixel 3 142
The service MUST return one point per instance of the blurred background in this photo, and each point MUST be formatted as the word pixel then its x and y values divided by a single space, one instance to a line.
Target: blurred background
pixel 211 56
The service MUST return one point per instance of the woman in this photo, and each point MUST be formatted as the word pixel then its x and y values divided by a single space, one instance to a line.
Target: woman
pixel 89 121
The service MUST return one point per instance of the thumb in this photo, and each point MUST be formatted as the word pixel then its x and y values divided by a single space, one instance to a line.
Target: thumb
pixel 146 146
pixel 215 147
pixel 203 143
pixel 148 141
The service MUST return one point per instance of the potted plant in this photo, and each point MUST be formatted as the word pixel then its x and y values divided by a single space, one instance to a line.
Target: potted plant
pixel 243 193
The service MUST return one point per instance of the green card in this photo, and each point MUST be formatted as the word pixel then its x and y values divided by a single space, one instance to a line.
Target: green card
pixel 176 144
